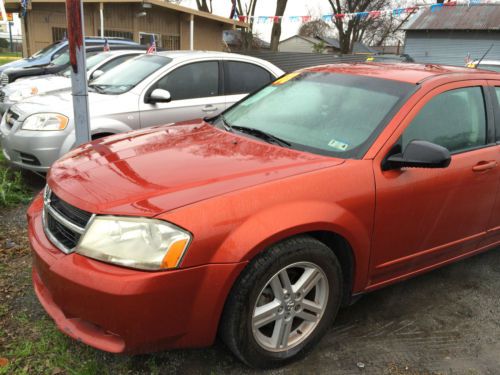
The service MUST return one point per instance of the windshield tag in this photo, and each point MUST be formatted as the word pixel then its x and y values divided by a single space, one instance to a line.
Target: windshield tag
pixel 338 145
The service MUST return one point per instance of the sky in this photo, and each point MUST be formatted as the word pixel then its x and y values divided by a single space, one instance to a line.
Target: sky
pixel 267 8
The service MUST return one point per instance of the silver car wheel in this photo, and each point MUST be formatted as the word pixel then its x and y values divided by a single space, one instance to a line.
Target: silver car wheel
pixel 290 306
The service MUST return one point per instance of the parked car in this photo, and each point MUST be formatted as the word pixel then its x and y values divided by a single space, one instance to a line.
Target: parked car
pixel 49 53
pixel 485 64
pixel 148 90
pixel 260 223
pixel 390 59
pixel 57 65
pixel 98 62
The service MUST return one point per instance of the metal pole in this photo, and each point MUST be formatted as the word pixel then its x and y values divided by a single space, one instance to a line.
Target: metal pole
pixel 76 41
pixel 101 13
pixel 191 32
pixel 10 37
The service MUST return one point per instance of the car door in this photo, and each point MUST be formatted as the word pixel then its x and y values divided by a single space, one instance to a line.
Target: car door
pixel 425 217
pixel 195 91
pixel 242 78
pixel 494 226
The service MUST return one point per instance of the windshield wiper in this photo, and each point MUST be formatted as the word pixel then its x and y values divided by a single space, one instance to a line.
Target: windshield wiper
pixel 97 88
pixel 262 135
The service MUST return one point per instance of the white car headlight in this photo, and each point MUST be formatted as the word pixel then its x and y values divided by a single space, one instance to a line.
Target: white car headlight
pixel 147 244
pixel 23 94
pixel 45 121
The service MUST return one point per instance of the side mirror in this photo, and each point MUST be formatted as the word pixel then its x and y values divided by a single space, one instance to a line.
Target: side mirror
pixel 419 154
pixel 159 96
pixel 97 73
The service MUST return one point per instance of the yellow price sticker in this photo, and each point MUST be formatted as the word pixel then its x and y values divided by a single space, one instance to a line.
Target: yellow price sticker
pixel 285 78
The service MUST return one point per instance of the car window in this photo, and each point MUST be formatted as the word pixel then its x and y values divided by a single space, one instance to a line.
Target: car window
pixel 47 50
pixel 455 119
pixel 115 62
pixel 242 78
pixel 498 94
pixel 196 80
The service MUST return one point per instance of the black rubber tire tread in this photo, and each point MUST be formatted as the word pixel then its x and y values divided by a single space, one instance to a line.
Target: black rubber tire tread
pixel 235 326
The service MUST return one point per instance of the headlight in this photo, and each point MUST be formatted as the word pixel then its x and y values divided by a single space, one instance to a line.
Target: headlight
pixel 23 94
pixel 45 121
pixel 142 243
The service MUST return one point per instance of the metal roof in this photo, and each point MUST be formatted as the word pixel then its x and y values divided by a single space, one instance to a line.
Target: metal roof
pixel 459 17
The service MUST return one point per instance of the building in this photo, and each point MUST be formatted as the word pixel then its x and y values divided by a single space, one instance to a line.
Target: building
pixel 450 34
pixel 299 43
pixel 171 24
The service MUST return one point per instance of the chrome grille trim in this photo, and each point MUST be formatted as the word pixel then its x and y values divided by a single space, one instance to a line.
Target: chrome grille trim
pixel 48 210
pixel 4 79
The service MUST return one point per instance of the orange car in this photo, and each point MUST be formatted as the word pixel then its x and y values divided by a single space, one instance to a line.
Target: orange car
pixel 259 224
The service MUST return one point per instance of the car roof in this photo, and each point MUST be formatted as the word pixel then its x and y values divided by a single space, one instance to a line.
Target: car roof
pixel 404 72
pixel 189 55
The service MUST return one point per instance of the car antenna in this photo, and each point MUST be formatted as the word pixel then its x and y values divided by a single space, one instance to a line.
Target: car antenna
pixel 488 51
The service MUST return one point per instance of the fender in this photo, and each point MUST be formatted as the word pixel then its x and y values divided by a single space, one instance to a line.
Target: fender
pixel 279 222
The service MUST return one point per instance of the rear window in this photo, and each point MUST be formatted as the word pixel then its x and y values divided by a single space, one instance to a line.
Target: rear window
pixel 244 78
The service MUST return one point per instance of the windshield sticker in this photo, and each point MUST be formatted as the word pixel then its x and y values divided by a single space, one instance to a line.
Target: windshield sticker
pixel 285 78
pixel 338 145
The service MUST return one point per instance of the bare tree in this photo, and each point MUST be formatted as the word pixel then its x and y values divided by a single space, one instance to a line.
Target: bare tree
pixel 276 31
pixel 353 29
pixel 248 11
pixel 315 28
pixel 204 5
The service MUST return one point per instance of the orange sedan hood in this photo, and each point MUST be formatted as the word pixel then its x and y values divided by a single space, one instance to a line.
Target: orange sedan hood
pixel 159 169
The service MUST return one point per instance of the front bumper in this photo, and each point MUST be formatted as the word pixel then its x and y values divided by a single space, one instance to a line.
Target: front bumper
pixel 33 150
pixel 127 311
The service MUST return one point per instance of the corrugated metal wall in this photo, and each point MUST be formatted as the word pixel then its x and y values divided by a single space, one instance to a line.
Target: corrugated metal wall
pixel 451 47
pixel 290 61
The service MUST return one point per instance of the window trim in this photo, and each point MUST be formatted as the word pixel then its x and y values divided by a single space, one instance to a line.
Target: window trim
pixel 495 104
pixel 153 85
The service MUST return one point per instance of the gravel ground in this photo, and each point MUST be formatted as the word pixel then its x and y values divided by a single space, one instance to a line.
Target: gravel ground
pixel 445 322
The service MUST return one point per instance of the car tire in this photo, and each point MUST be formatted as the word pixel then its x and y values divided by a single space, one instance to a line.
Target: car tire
pixel 266 321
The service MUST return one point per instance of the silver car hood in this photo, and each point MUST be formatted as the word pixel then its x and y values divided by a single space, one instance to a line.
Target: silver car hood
pixel 43 84
pixel 62 102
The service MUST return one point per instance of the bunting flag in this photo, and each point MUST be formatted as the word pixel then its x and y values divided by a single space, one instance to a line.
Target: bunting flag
pixel 362 15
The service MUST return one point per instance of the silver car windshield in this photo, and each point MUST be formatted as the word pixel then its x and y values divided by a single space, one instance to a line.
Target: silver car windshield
pixel 320 112
pixel 126 76
pixel 90 62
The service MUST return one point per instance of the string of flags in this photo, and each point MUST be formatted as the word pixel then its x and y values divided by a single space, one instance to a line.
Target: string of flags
pixel 360 15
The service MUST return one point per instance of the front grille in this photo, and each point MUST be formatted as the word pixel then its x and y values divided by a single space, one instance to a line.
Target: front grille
pixel 29 159
pixel 73 214
pixel 4 79
pixel 63 223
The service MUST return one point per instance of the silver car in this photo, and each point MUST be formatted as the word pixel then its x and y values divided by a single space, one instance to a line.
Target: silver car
pixel 148 90
pixel 24 88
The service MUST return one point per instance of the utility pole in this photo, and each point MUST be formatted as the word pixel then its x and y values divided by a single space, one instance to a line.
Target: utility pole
pixel 76 41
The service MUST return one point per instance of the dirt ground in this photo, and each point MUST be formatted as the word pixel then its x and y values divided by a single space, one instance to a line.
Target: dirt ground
pixel 445 322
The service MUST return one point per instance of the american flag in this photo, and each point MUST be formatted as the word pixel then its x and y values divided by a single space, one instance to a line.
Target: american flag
pixel 106 46
pixel 152 45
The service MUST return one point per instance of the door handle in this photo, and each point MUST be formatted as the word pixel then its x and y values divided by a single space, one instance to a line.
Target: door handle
pixel 484 166
pixel 209 108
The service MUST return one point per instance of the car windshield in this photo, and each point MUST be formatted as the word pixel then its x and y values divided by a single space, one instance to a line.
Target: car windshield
pixel 127 75
pixel 45 51
pixel 91 62
pixel 321 112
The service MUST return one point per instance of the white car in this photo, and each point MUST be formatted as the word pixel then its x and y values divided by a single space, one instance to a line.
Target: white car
pixel 24 88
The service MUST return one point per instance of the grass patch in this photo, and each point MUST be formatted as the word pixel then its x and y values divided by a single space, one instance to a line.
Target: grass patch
pixel 13 190
pixel 7 57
